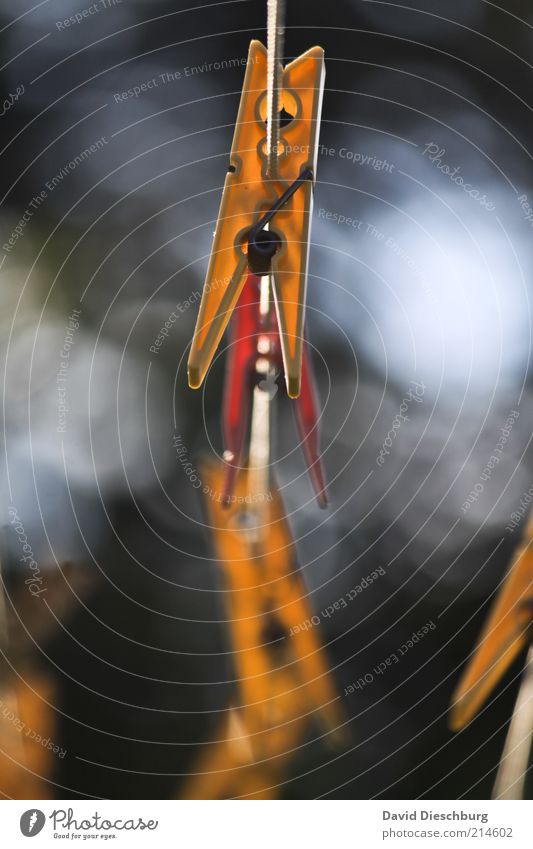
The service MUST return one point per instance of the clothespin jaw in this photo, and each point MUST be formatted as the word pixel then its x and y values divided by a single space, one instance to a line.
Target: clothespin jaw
pixel 506 632
pixel 249 193
pixel 238 383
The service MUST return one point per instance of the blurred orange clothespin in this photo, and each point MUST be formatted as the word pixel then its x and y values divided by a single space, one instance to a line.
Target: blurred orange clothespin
pixel 265 213
pixel 506 632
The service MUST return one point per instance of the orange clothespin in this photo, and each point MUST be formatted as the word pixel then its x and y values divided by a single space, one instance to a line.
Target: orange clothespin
pixel 283 682
pixel 265 213
pixel 506 632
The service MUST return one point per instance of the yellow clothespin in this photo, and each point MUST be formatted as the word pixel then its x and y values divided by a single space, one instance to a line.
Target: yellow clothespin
pixel 258 195
pixel 506 632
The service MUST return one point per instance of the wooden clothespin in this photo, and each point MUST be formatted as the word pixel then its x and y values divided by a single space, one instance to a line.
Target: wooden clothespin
pixel 265 213
pixel 506 632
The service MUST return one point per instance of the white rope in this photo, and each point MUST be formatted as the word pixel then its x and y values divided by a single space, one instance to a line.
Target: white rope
pixel 275 22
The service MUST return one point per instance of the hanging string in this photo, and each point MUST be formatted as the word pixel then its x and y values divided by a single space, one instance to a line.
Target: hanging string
pixel 275 30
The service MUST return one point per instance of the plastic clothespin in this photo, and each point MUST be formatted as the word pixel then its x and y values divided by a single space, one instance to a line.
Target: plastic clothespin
pixel 255 340
pixel 254 199
pixel 282 672
pixel 506 632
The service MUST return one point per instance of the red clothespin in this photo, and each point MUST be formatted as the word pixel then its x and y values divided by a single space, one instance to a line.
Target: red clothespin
pixel 255 354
